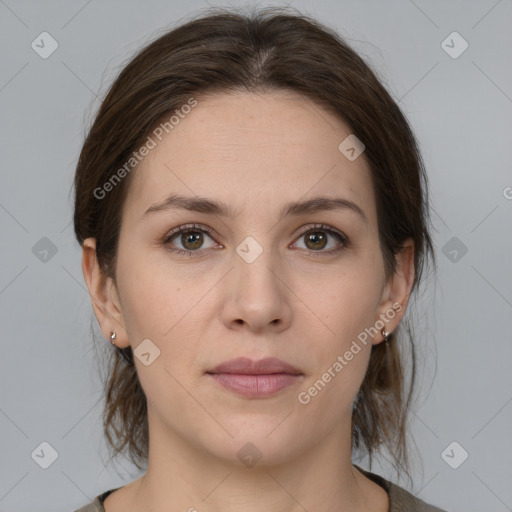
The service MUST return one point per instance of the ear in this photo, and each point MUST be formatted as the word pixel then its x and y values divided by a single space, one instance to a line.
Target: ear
pixel 104 296
pixel 396 292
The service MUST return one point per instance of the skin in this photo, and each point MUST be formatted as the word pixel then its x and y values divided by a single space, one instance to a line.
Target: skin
pixel 255 153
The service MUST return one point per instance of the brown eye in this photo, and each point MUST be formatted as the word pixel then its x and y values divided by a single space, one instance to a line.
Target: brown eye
pixel 192 240
pixel 322 239
pixel 189 239
pixel 315 240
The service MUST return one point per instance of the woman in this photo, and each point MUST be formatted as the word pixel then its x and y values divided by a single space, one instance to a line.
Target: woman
pixel 253 212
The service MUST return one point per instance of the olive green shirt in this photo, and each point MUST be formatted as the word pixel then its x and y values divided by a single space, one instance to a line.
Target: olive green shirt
pixel 399 499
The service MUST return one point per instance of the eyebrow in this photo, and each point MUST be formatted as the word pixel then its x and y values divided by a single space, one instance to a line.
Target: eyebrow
pixel 209 206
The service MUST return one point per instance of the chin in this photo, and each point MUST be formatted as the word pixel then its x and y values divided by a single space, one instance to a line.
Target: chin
pixel 255 443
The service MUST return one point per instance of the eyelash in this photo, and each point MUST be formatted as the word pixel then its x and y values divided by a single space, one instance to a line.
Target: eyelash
pixel 205 229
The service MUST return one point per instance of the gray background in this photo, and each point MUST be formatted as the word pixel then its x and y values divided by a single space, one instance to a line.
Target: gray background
pixel 460 109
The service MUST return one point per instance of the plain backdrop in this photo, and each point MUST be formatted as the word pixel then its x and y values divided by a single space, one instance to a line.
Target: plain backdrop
pixel 459 102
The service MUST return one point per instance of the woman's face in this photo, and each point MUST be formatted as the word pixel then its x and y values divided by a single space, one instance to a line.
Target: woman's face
pixel 273 276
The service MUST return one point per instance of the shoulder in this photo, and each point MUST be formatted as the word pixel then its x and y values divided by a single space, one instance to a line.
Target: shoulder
pixel 400 500
pixel 403 501
pixel 97 503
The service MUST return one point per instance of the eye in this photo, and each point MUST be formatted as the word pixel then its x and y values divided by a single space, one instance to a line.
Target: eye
pixel 319 237
pixel 190 236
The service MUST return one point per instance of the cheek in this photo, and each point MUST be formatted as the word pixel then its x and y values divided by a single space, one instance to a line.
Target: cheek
pixel 341 358
pixel 346 301
pixel 346 304
pixel 161 303
pixel 153 294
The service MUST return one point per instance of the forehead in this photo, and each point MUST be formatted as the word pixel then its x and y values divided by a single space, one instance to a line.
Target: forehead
pixel 242 148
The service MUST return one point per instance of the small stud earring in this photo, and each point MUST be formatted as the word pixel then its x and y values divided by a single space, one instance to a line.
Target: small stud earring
pixel 386 335
pixel 112 337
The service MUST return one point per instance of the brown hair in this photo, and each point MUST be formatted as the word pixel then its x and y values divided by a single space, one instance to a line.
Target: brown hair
pixel 270 49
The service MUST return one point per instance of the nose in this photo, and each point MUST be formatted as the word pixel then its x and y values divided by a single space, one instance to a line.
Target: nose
pixel 257 298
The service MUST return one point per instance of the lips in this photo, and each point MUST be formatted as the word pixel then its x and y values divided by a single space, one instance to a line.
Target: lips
pixel 255 379
pixel 246 366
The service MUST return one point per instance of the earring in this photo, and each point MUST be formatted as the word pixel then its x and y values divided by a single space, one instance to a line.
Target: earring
pixel 112 337
pixel 386 337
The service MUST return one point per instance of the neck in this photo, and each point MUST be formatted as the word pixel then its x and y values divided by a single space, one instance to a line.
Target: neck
pixel 188 479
